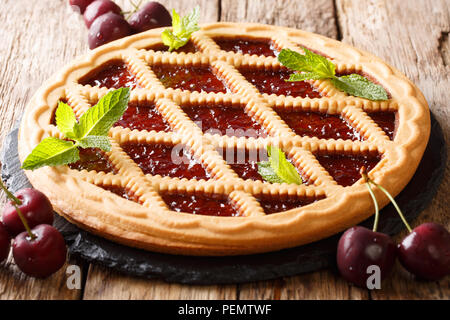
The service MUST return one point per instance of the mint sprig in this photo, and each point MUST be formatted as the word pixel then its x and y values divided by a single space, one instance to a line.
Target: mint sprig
pixel 278 169
pixel 182 29
pixel 313 66
pixel 91 131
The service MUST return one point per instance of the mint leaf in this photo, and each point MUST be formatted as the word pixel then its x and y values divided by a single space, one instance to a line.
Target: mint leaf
pixel 51 152
pixel 313 64
pixel 65 119
pixel 97 121
pixel 100 142
pixel 278 168
pixel 182 29
pixel 304 76
pixel 316 67
pixel 267 173
pixel 90 132
pixel 172 41
pixel 360 86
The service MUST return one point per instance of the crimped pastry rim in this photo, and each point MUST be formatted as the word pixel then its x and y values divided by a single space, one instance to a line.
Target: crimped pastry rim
pixel 112 217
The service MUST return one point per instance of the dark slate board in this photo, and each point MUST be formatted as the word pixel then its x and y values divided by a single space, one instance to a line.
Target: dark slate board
pixel 217 270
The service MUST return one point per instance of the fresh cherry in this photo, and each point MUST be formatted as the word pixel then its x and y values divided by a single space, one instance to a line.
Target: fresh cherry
pixel 99 8
pixel 5 242
pixel 151 15
pixel 359 248
pixel 107 28
pixel 35 207
pixel 80 5
pixel 41 255
pixel 425 252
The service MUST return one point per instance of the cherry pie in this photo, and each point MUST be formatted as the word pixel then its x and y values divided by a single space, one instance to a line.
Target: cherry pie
pixel 221 97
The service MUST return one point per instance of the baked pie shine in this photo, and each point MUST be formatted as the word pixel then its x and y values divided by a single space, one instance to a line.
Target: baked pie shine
pixel 222 96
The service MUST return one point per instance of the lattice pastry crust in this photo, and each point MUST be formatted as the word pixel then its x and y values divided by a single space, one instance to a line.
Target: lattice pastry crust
pixel 148 223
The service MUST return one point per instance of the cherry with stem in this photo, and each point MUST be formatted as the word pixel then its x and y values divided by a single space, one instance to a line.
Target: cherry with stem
pixel 425 251
pixel 360 248
pixel 16 203
pixel 135 6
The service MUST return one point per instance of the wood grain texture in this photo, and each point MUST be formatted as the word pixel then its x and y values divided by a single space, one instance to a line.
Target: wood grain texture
pixel 318 285
pixel 413 37
pixel 39 37
pixel 316 16
pixel 107 284
pixel 15 285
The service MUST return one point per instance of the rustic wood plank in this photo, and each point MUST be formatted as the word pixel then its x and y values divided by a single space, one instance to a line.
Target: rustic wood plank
pixel 317 16
pixel 15 285
pixel 313 286
pixel 107 284
pixel 412 36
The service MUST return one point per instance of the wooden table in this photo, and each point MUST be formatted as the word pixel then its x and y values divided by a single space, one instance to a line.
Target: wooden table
pixel 39 37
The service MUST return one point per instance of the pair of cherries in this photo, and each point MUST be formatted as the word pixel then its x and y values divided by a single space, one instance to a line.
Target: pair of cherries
pixel 425 251
pixel 38 248
pixel 106 21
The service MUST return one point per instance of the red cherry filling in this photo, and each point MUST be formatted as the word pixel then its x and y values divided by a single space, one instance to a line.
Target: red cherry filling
pixel 189 47
pixel 345 168
pixel 225 120
pixel 386 121
pixel 260 47
pixel 245 162
pixel 166 160
pixel 143 116
pixel 273 205
pixel 320 125
pixel 114 74
pixel 93 159
pixel 209 205
pixel 121 192
pixel 192 78
pixel 274 82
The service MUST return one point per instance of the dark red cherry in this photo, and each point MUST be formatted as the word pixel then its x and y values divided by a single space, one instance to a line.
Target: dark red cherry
pixel 42 256
pixel 99 8
pixel 35 207
pixel 107 28
pixel 5 242
pixel 359 248
pixel 80 5
pixel 425 252
pixel 151 15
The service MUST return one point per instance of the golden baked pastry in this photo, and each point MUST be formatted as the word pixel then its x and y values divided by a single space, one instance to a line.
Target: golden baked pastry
pixel 227 77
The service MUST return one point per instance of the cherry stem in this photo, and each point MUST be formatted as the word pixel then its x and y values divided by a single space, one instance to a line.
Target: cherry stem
pixel 369 181
pixel 377 210
pixel 16 203
pixel 24 221
pixel 135 8
pixel 366 178
pixel 9 194
pixel 394 203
